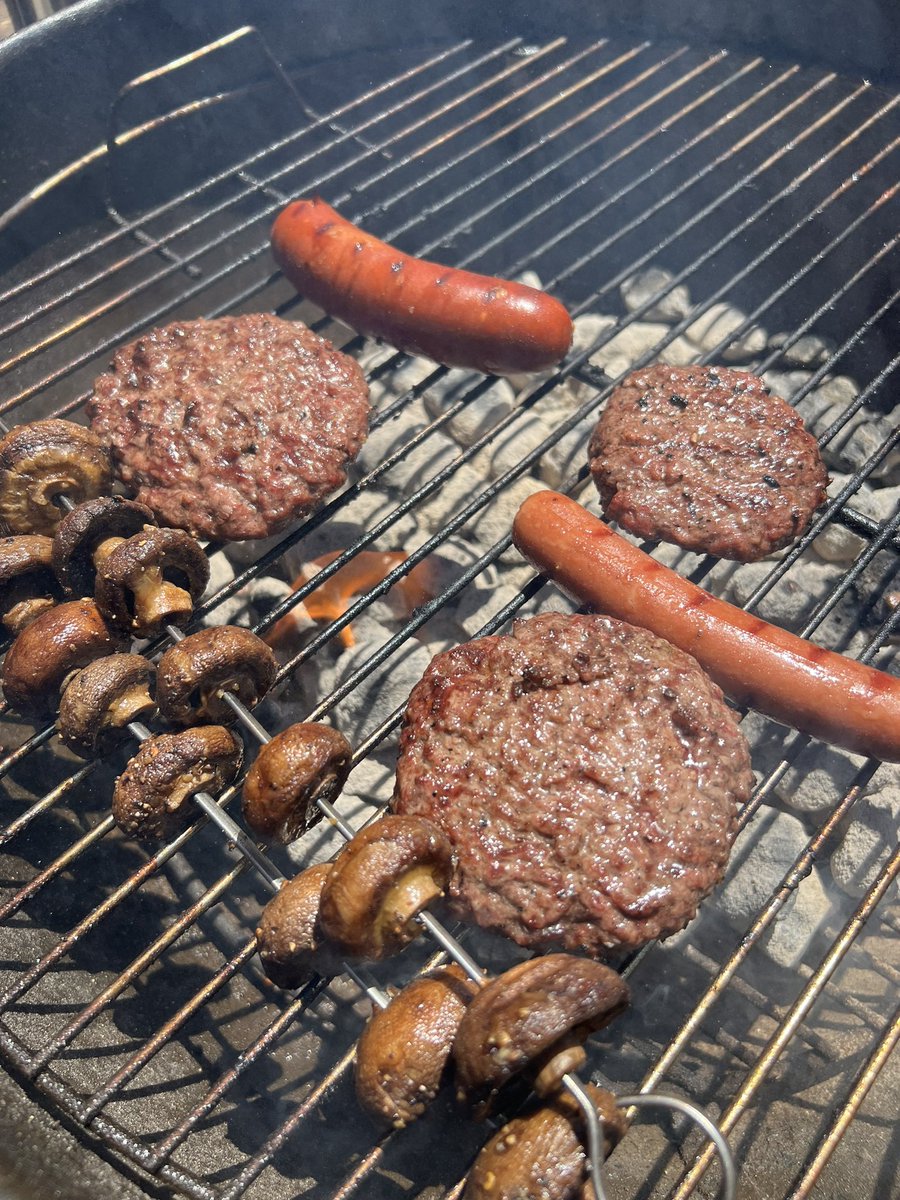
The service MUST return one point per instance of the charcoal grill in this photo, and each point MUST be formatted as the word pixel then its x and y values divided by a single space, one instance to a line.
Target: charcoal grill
pixel 130 999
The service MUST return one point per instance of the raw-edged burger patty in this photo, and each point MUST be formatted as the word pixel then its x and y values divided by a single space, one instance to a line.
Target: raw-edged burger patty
pixel 707 458
pixel 588 774
pixel 234 427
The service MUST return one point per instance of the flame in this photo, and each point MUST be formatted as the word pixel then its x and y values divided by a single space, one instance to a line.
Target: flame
pixel 332 598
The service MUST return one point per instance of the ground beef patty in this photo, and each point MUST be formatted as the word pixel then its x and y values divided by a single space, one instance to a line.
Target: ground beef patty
pixel 707 458
pixel 231 428
pixel 588 774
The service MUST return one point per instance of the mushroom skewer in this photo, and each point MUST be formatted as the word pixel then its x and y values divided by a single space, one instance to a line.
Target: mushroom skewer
pixel 442 936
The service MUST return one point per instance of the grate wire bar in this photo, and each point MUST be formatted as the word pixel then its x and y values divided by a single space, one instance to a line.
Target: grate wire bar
pixel 753 161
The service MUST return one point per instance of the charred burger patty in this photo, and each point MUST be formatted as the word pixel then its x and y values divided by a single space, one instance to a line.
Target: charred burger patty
pixel 231 428
pixel 588 775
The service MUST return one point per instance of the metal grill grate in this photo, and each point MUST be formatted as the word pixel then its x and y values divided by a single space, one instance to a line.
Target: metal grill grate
pixel 130 992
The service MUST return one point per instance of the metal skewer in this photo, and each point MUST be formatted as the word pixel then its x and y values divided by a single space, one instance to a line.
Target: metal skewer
pixel 275 880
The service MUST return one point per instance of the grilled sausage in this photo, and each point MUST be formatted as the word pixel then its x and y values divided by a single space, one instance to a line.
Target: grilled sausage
pixel 455 317
pixel 796 682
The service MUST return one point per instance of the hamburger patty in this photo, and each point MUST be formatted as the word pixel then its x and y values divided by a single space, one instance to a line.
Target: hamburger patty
pixel 234 427
pixel 707 458
pixel 588 774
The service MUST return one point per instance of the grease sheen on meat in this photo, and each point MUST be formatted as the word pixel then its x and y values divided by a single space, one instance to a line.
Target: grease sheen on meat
pixel 707 458
pixel 231 428
pixel 587 773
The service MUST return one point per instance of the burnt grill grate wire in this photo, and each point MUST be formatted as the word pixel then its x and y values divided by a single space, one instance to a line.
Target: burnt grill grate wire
pixel 741 132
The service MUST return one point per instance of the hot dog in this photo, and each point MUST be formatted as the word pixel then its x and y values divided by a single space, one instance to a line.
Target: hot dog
pixel 796 682
pixel 455 317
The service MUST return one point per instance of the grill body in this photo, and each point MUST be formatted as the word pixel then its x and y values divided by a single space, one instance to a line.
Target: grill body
pixel 132 1003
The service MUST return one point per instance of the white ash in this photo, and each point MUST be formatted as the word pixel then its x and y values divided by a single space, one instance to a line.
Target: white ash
pixel 673 304
pixel 787 384
pixel 506 451
pixel 397 381
pixel 383 689
pixel 807 351
pixel 251 603
pixel 827 402
pixel 246 554
pixel 588 327
pixel 334 536
pixel 632 342
pixel 806 913
pixel 494 521
pixel 680 352
pixel 836 543
pixel 324 840
pixel 391 436
pixel 474 611
pixel 221 572
pixel 720 323
pixel 763 853
pixel 792 598
pixel 458 490
pixel 568 454
pixel 869 841
pixel 818 779
pixel 855 444
pixel 423 462
pixel 479 413
pixel 372 781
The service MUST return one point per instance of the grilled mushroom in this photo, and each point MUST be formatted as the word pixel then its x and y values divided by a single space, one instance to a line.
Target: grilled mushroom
pixel 541 1156
pixel 226 658
pixel 93 529
pixel 102 699
pixel 151 580
pixel 151 797
pixel 291 945
pixel 536 1015
pixel 28 586
pixel 402 1054
pixel 48 650
pixel 304 763
pixel 42 461
pixel 382 879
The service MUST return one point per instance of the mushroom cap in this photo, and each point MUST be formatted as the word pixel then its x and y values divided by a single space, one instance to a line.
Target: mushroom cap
pixel 541 1156
pixel 381 880
pixel 290 943
pixel 28 585
pixel 48 650
pixel 180 566
pixel 151 799
pixel 102 699
pixel 404 1049
pixel 527 1011
pixel 300 765
pixel 42 461
pixel 82 530
pixel 225 657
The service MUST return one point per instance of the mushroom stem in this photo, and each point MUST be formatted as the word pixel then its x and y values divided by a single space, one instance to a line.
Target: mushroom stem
pixel 407 897
pixel 156 601
pixel 23 613
pixel 105 549
pixel 566 1056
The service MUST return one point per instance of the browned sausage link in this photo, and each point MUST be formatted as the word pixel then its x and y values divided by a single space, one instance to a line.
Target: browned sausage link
pixel 455 317
pixel 780 674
